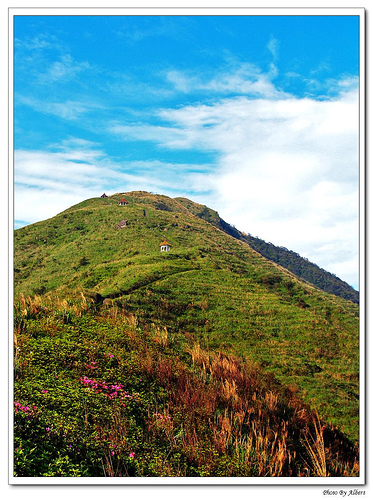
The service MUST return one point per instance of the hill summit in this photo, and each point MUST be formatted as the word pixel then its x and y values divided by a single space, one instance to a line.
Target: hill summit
pixel 301 267
pixel 170 273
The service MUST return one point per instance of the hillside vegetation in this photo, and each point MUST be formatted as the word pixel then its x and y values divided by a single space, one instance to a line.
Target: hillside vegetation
pixel 205 360
pixel 301 267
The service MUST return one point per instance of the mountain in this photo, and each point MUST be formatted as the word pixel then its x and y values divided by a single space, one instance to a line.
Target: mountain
pixel 211 322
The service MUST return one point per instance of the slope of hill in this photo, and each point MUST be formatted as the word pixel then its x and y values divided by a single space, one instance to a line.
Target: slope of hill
pixel 292 261
pixel 96 270
pixel 98 393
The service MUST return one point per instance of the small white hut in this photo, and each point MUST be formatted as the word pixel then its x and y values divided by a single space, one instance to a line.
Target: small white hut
pixel 165 247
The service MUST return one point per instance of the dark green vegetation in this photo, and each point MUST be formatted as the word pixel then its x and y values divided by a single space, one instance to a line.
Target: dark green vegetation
pixel 219 356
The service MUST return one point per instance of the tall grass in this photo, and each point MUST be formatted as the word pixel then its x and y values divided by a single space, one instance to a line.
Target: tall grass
pixel 316 448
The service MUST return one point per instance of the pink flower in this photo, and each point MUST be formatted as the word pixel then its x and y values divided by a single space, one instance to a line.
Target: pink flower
pixel 131 455
pixel 44 392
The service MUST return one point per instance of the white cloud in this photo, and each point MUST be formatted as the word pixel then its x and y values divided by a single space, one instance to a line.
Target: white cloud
pixel 287 169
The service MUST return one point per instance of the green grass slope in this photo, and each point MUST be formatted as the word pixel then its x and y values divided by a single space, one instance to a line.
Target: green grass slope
pixel 210 290
pixel 301 267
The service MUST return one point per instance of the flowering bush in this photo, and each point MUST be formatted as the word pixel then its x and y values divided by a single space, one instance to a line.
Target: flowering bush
pixel 27 410
pixel 112 391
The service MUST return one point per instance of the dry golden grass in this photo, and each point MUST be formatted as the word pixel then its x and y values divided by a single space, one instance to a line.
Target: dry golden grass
pixel 316 448
pixel 229 390
pixel 199 356
pixel 160 336
pixel 271 399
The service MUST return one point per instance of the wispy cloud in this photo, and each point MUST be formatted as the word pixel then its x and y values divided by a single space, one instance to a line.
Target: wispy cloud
pixel 44 63
pixel 67 110
pixel 66 68
pixel 273 47
pixel 242 78
pixel 163 27
pixel 36 43
pixel 48 182
pixel 33 55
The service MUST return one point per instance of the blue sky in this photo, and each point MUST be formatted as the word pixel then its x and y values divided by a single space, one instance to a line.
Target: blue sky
pixel 254 116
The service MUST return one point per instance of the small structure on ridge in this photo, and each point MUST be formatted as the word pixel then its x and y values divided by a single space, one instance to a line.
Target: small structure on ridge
pixel 165 246
pixel 104 195
pixel 121 224
pixel 123 202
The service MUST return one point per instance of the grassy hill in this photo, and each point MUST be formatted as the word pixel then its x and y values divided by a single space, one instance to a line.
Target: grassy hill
pixel 220 356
